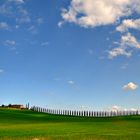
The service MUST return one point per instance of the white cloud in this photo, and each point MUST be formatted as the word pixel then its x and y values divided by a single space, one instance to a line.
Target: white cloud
pixel 44 44
pixel 124 66
pixel 129 24
pixel 4 9
pixel 126 44
pixel 119 108
pixel 17 26
pixel 1 70
pixel 10 43
pixel 40 21
pixel 16 12
pixel 71 82
pixel 130 41
pixel 33 29
pixel 115 108
pixel 23 19
pixel 130 86
pixel 17 1
pixel 4 26
pixel 9 9
pixel 60 23
pixel 91 13
pixel 133 109
pixel 24 16
pixel 118 51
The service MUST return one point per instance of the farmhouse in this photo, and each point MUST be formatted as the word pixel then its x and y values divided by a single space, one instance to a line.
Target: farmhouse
pixel 18 106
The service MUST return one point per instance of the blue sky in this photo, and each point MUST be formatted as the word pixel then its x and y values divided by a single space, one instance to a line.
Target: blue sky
pixel 70 54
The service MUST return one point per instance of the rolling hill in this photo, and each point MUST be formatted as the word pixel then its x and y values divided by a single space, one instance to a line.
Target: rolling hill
pixel 29 125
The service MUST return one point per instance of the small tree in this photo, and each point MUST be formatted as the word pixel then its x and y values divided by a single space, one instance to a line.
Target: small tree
pixel 9 105
pixel 2 105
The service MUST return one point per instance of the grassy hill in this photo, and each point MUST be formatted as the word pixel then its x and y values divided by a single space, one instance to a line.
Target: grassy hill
pixel 28 125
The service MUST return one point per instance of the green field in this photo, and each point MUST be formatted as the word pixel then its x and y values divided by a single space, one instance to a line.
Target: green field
pixel 28 125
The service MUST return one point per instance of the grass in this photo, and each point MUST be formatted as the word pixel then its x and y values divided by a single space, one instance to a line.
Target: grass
pixel 28 125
